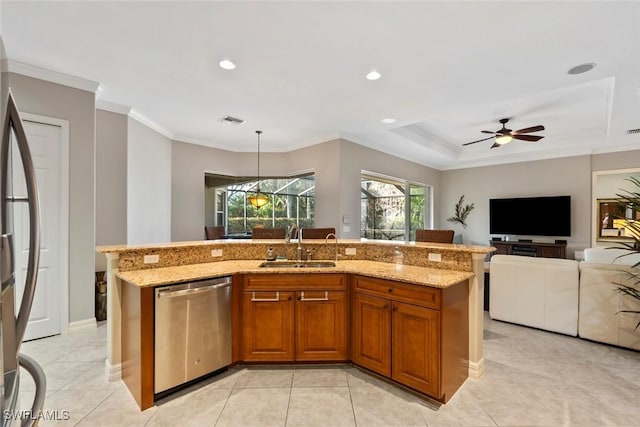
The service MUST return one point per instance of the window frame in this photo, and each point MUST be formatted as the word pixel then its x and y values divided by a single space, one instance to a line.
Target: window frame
pixel 406 184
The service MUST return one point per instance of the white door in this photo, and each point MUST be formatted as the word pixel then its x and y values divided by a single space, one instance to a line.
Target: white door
pixel 45 143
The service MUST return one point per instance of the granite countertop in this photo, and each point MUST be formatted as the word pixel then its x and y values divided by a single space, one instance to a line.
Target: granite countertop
pixel 433 277
pixel 201 243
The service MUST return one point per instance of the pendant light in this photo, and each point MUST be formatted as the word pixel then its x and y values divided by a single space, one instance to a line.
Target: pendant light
pixel 258 199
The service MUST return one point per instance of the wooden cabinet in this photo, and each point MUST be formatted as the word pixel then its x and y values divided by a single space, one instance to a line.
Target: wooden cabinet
pixel 321 325
pixel 294 317
pixel 416 347
pixel 371 339
pixel 542 250
pixel 415 335
pixel 268 326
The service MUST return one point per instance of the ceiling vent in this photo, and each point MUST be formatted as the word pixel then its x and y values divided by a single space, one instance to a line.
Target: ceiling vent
pixel 633 131
pixel 232 120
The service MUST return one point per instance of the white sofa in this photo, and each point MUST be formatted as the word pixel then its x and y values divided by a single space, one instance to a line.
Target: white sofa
pixel 538 292
pixel 600 304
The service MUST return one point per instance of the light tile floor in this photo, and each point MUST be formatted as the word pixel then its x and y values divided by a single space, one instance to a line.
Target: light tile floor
pixel 533 378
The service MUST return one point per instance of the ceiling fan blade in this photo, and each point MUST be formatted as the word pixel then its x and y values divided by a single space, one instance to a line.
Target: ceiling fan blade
pixel 529 130
pixel 530 138
pixel 487 131
pixel 495 145
pixel 480 140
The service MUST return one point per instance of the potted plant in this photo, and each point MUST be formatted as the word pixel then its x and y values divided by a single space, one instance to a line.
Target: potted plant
pixel 631 198
pixel 461 212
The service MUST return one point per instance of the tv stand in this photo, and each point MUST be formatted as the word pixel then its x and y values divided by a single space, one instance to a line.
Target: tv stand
pixel 542 250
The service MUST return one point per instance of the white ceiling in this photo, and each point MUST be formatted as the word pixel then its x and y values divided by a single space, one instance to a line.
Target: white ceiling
pixel 449 70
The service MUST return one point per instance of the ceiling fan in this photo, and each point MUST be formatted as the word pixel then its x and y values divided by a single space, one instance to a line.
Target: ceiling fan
pixel 504 135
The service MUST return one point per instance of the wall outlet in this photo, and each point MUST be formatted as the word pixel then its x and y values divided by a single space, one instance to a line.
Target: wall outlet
pixel 216 252
pixel 151 259
pixel 346 228
pixel 435 257
pixel 349 251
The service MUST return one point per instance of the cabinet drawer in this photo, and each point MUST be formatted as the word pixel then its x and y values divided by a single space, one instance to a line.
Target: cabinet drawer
pixel 398 291
pixel 296 281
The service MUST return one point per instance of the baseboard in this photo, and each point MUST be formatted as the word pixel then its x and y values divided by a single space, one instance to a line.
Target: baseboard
pixel 82 325
pixel 476 369
pixel 114 372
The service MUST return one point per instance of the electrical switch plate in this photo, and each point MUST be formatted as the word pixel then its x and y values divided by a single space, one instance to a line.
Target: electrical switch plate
pixel 151 259
pixel 216 252
pixel 435 257
pixel 350 251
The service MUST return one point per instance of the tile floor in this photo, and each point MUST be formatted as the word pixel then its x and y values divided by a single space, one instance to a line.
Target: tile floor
pixel 533 378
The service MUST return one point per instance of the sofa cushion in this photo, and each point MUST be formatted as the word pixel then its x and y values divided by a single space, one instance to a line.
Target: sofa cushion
pixel 538 292
pixel 601 315
pixel 611 256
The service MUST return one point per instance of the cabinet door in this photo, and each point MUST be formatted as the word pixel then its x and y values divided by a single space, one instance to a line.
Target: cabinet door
pixel 267 327
pixel 550 252
pixel 416 348
pixel 321 325
pixel 371 334
pixel 501 248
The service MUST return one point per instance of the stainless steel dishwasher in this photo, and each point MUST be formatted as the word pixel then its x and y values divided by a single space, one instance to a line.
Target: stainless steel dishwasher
pixel 192 331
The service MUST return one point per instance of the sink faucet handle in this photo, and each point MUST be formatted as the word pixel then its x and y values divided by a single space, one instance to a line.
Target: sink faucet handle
pixel 309 254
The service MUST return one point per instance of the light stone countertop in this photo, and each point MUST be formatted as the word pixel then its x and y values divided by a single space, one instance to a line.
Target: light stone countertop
pixel 433 277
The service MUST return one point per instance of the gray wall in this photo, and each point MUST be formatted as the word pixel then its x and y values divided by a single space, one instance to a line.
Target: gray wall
pixel 555 177
pixel 148 185
pixel 337 165
pixel 78 107
pixel 619 160
pixel 324 159
pixel 190 162
pixel 111 181
pixel 355 158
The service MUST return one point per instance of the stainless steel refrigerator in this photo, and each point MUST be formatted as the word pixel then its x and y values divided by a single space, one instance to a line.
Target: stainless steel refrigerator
pixel 14 154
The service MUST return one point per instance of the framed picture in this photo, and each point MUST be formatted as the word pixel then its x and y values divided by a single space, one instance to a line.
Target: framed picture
pixel 613 219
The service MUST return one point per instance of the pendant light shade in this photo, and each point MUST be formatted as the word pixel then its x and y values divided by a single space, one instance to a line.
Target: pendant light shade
pixel 258 199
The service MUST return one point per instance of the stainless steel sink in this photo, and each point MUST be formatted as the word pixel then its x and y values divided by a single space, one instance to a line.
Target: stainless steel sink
pixel 297 264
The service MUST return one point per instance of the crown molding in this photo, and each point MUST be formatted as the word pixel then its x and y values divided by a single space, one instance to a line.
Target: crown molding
pixel 514 158
pixel 112 107
pixel 136 115
pixel 17 67
pixel 615 149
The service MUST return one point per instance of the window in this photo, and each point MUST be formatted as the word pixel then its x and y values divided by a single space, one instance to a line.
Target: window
pixel 392 209
pixel 291 201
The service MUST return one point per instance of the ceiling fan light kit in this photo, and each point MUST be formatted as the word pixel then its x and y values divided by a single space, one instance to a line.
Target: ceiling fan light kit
pixel 504 136
pixel 503 139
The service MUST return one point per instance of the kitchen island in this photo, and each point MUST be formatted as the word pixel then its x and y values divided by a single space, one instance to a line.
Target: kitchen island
pixel 436 278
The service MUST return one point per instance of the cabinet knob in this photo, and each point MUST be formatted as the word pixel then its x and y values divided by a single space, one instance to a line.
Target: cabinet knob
pixel 390 289
pixel 395 309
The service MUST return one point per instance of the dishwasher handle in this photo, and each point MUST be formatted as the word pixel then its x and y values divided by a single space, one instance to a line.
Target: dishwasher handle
pixel 168 293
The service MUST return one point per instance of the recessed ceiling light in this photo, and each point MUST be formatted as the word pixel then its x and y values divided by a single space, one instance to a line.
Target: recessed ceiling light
pixel 373 75
pixel 582 68
pixel 227 64
pixel 388 120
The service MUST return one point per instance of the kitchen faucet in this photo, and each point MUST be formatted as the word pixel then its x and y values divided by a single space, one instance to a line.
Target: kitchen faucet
pixel 336 244
pixel 288 239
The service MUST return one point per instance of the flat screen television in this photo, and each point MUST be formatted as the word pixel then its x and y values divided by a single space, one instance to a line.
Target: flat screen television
pixel 531 216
